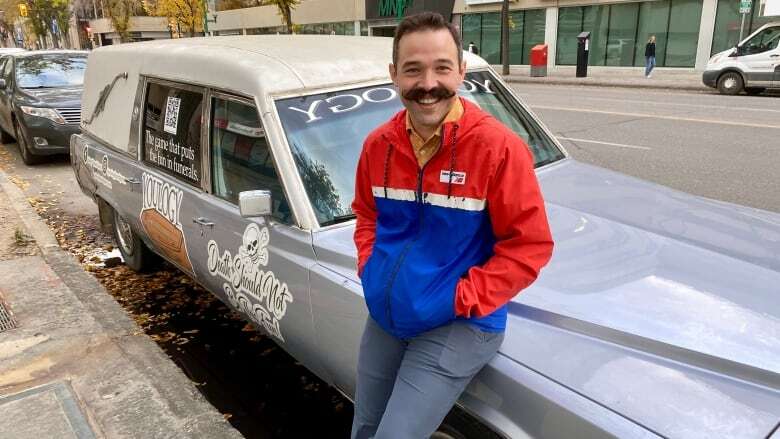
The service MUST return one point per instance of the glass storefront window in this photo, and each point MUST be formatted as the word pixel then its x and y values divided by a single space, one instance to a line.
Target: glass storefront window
pixel 623 20
pixel 533 29
pixel 619 32
pixel 595 19
pixel 471 30
pixel 684 21
pixel 653 20
pixel 569 26
pixel 516 31
pixel 491 38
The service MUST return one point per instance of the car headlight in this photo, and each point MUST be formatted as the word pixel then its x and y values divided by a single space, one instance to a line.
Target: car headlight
pixel 48 113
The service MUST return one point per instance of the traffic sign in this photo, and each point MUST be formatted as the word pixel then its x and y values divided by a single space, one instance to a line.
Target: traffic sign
pixel 744 6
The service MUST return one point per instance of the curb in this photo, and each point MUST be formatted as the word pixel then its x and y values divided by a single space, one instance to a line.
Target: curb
pixel 195 416
pixel 515 79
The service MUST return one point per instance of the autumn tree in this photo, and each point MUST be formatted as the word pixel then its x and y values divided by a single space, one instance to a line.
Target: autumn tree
pixel 42 14
pixel 188 14
pixel 119 12
pixel 285 8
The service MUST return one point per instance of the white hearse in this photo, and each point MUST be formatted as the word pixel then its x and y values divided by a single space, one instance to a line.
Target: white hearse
pixel 234 158
pixel 753 65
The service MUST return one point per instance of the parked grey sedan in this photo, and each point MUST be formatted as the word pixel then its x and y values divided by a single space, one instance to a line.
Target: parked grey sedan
pixel 234 158
pixel 40 101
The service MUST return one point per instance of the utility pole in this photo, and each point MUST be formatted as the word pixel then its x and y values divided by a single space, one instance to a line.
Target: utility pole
pixel 505 37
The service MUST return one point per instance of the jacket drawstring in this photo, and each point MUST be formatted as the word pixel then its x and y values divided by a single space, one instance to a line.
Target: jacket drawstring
pixel 386 174
pixel 452 159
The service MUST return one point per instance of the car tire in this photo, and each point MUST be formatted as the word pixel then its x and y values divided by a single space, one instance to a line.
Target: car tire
pixel 730 83
pixel 135 253
pixel 21 140
pixel 5 137
pixel 754 90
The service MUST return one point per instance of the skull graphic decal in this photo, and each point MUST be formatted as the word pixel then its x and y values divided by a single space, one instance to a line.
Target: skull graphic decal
pixel 254 245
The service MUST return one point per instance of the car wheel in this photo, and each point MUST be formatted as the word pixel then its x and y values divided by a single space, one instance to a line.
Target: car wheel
pixel 730 83
pixel 24 150
pixel 5 137
pixel 136 254
pixel 754 90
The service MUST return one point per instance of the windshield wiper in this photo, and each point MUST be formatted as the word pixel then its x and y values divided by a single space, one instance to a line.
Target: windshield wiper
pixel 338 219
pixel 40 86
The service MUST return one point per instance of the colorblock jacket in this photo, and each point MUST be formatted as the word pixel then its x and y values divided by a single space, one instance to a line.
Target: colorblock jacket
pixel 455 239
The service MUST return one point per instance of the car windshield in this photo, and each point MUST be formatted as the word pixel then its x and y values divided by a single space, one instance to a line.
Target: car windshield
pixel 326 133
pixel 46 71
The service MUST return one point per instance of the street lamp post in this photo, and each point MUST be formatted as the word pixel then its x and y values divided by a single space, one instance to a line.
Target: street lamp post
pixel 505 37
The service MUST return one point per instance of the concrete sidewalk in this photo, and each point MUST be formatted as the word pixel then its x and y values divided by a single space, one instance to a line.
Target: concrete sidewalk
pixel 628 77
pixel 75 365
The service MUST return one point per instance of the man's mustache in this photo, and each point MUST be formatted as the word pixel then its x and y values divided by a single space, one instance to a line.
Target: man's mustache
pixel 418 93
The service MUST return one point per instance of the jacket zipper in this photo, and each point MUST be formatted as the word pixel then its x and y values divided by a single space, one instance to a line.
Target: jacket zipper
pixel 402 256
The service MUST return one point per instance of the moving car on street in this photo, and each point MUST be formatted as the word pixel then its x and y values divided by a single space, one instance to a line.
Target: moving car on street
pixel 40 101
pixel 234 159
pixel 752 66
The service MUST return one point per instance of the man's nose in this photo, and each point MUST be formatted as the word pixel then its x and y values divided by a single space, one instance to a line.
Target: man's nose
pixel 428 80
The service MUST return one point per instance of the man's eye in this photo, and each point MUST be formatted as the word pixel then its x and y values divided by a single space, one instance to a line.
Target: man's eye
pixel 411 70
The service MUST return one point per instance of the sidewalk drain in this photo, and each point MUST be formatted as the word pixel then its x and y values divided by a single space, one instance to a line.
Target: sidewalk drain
pixel 6 321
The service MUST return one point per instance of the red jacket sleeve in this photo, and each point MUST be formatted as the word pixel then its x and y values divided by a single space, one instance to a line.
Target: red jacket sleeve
pixel 524 243
pixel 365 212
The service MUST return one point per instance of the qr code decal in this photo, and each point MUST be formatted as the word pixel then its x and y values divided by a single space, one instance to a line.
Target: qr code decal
pixel 172 115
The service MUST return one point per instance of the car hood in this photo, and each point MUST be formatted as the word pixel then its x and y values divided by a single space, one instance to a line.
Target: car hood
pixel 52 97
pixel 650 290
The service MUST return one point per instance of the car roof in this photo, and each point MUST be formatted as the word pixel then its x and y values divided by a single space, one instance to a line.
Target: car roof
pixel 279 63
pixel 48 52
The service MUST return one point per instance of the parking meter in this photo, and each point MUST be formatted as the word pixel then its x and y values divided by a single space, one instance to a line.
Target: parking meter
pixel 583 43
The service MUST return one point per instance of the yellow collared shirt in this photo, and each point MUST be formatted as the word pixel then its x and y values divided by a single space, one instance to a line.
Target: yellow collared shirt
pixel 425 149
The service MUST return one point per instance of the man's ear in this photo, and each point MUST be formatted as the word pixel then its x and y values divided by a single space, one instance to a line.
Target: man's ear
pixel 391 69
pixel 462 70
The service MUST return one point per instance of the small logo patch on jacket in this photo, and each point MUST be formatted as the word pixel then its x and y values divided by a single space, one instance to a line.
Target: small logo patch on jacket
pixel 457 177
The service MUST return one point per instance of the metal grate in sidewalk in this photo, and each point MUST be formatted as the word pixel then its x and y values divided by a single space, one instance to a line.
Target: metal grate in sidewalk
pixel 6 320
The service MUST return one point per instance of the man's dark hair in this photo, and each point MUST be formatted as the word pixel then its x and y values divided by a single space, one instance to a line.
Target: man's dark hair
pixel 422 22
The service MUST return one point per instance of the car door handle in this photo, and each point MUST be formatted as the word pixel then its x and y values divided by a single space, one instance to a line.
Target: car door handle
pixel 774 56
pixel 203 221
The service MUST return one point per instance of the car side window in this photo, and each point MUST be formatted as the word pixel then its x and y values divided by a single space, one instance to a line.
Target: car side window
pixel 241 159
pixel 763 41
pixel 172 131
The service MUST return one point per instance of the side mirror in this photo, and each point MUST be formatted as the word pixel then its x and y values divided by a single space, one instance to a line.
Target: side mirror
pixel 2 84
pixel 254 203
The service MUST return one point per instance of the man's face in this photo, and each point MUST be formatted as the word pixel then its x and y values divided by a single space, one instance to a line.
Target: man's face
pixel 427 75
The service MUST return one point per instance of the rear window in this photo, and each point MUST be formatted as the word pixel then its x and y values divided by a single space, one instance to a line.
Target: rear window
pixel 50 71
pixel 172 131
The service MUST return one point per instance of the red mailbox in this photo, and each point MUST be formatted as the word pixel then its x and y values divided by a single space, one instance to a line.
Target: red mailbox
pixel 539 60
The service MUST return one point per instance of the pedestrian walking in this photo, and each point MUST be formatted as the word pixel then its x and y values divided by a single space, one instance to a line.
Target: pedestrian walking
pixel 650 57
pixel 451 225
pixel 473 48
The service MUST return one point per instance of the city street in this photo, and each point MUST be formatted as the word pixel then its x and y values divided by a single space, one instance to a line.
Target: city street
pixel 721 147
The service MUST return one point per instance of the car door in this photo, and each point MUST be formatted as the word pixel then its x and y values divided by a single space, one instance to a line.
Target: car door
pixel 170 172
pixel 757 57
pixel 257 265
pixel 6 95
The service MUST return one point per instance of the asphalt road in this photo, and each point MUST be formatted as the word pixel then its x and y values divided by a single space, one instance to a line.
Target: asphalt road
pixel 721 147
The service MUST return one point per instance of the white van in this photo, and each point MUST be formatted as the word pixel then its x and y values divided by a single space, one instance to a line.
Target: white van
pixel 753 66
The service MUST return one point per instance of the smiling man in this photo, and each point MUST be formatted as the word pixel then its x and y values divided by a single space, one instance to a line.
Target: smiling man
pixel 450 226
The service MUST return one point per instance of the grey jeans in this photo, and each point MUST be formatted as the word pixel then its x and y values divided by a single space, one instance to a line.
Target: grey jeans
pixel 405 388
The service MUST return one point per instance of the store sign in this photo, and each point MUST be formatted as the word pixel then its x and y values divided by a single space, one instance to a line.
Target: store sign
pixel 389 9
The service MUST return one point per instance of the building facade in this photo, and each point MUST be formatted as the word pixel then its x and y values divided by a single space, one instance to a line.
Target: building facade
pixel 688 32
